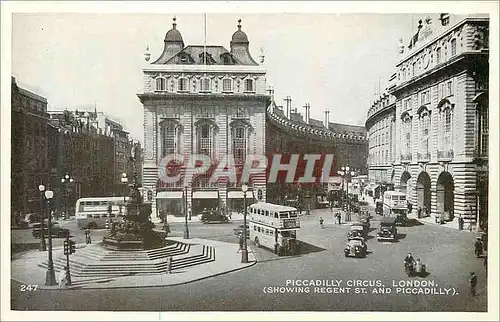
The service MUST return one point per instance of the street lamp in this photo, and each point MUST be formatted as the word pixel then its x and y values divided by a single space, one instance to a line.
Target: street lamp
pixel 65 181
pixel 43 246
pixel 244 251
pixel 345 172
pixel 186 229
pixel 50 277
pixel 124 180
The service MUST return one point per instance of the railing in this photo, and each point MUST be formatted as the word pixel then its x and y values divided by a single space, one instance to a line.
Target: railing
pixel 406 157
pixel 424 156
pixel 445 154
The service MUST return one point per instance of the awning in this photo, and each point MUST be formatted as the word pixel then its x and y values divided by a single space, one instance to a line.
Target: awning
pixel 169 195
pixel 237 195
pixel 205 195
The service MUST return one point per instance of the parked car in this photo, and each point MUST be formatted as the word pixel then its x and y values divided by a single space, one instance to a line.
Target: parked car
pixel 239 231
pixel 213 216
pixel 355 247
pixel 57 232
pixel 388 229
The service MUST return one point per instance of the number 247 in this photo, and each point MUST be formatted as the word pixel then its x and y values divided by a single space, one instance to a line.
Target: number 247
pixel 28 288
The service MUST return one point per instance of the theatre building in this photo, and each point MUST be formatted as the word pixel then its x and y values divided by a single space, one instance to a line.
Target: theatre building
pixel 441 118
pixel 202 100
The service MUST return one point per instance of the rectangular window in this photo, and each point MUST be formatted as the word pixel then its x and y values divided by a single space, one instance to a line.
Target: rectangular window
pixel 484 132
pixel 413 69
pixel 205 84
pixel 183 84
pixel 249 85
pixel 438 56
pixel 161 84
pixel 449 88
pixel 227 85
pixel 447 130
pixel 453 47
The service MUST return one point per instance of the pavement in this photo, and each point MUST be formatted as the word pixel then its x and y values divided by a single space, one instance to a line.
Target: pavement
pixel 25 269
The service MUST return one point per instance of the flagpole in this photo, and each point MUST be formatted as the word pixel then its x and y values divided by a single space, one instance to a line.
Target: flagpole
pixel 205 43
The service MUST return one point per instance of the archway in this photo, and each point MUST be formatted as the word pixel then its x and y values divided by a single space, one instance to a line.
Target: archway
pixel 445 195
pixel 424 193
pixel 405 177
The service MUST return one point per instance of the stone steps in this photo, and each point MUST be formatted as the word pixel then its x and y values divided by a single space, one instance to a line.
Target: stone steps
pixel 188 256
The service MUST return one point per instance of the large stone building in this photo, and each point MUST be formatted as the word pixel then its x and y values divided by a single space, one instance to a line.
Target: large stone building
pixel 441 118
pixel 31 161
pixel 288 132
pixel 381 129
pixel 202 100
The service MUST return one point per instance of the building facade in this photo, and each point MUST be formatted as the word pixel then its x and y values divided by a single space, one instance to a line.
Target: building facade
pixel 31 161
pixel 441 118
pixel 288 132
pixel 202 100
pixel 381 130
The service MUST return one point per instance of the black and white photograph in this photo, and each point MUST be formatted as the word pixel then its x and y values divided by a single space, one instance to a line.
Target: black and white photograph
pixel 250 160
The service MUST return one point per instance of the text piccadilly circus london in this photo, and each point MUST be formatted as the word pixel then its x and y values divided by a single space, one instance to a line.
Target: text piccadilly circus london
pixel 299 168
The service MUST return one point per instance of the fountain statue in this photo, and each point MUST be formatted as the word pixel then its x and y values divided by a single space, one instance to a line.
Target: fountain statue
pixel 135 232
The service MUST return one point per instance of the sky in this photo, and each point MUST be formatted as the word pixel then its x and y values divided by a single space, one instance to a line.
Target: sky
pixel 331 61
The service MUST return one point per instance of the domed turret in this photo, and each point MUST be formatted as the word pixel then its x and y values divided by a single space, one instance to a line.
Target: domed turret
pixel 173 35
pixel 239 37
pixel 173 44
pixel 239 47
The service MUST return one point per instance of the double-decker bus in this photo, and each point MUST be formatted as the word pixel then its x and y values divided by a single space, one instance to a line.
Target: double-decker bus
pixel 93 212
pixel 274 227
pixel 395 205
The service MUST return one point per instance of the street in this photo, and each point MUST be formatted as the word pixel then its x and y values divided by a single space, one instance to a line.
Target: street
pixel 447 253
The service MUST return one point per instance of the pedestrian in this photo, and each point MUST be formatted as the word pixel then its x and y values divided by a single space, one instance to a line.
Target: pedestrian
pixel 460 223
pixel 339 218
pixel 473 283
pixel 63 277
pixel 321 222
pixel 169 264
pixel 87 236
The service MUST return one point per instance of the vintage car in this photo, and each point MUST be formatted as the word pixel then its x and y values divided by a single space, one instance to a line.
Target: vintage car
pixel 357 231
pixel 379 208
pixel 388 229
pixel 365 221
pixel 355 247
pixel 208 216
pixel 56 231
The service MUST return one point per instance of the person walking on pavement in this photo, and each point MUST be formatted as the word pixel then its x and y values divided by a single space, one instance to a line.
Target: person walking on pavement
pixel 87 236
pixel 473 283
pixel 321 222
pixel 63 278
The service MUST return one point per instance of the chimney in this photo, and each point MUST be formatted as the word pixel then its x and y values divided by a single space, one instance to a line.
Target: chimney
pixel 307 113
pixel 327 112
pixel 288 101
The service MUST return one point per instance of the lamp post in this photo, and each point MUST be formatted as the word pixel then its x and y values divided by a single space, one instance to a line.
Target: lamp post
pixel 43 246
pixel 50 277
pixel 244 250
pixel 186 229
pixel 345 173
pixel 65 181
pixel 124 181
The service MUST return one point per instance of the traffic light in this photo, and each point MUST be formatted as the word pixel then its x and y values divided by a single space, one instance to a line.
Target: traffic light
pixel 66 247
pixel 259 194
pixel 150 195
pixel 72 246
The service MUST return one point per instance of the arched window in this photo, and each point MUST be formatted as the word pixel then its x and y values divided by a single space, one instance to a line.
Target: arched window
pixel 438 56
pixel 239 135
pixel 205 139
pixel 170 138
pixel 453 47
pixel 406 136
pixel 161 84
pixel 446 128
pixel 425 126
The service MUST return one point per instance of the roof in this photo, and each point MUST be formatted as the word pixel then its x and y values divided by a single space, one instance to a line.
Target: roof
pixel 388 220
pixel 215 56
pixel 239 37
pixel 272 207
